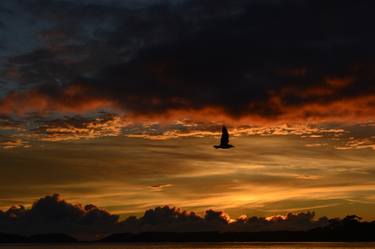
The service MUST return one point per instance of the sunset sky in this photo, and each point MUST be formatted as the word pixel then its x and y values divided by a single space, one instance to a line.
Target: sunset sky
pixel 118 103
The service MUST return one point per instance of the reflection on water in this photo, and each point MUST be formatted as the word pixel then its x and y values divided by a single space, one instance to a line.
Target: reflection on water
pixel 197 246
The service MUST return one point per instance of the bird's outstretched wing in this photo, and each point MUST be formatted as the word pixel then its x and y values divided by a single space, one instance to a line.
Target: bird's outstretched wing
pixel 224 136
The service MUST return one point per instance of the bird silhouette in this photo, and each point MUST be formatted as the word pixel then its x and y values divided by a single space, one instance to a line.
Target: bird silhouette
pixel 224 141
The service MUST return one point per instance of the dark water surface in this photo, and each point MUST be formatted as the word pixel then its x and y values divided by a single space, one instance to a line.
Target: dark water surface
pixel 196 246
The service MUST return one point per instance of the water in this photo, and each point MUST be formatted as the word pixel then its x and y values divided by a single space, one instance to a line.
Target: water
pixel 197 246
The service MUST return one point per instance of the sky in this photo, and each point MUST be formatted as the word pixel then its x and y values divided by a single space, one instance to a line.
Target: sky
pixel 119 103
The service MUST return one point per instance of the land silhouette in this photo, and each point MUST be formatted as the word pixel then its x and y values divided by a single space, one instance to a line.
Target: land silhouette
pixel 349 229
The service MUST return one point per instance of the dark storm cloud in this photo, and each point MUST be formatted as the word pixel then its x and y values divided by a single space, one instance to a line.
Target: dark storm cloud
pixel 3 11
pixel 262 58
pixel 52 214
pixel 238 62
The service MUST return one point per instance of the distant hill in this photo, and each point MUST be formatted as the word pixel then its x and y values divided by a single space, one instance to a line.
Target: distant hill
pixel 39 238
pixel 12 238
pixel 52 238
pixel 275 236
pixel 349 229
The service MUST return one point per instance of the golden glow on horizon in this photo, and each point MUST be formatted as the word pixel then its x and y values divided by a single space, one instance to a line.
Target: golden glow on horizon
pixel 263 175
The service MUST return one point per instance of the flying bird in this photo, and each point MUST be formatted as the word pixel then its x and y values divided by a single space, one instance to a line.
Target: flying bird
pixel 224 141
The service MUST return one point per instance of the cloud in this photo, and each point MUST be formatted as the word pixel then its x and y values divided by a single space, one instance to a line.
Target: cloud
pixel 314 145
pixel 4 10
pixel 160 187
pixel 9 130
pixel 72 99
pixel 11 143
pixel 52 214
pixel 218 61
pixel 37 127
pixel 165 215
pixel 21 133
pixel 358 143
pixel 75 128
pixel 24 131
pixel 217 217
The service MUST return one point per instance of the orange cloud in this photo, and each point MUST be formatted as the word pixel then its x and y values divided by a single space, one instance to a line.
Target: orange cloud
pixel 354 110
pixel 73 99
pixel 82 129
pixel 81 99
pixel 358 143
pixel 13 143
pixel 339 82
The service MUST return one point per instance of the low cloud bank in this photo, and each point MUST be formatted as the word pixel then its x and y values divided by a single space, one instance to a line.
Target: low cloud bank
pixel 52 214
